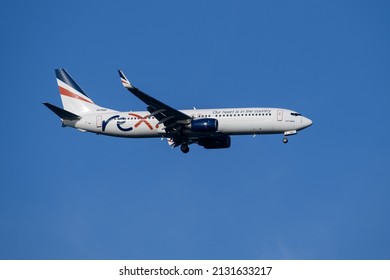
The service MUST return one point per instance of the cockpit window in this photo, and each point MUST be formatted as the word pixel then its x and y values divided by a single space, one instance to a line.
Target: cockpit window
pixel 296 114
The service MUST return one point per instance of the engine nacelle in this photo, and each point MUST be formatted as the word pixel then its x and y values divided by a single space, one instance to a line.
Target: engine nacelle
pixel 204 125
pixel 216 142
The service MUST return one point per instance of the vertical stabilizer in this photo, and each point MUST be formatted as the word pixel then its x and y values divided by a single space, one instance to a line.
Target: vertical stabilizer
pixel 74 99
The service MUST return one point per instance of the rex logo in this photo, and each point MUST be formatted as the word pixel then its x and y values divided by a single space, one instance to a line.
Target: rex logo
pixel 122 120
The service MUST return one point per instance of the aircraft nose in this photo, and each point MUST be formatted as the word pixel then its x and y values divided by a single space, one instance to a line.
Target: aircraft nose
pixel 307 122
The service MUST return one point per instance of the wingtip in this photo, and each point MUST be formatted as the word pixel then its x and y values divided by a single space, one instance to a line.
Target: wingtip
pixel 121 73
pixel 125 82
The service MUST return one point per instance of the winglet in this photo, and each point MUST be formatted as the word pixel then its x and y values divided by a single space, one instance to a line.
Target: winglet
pixel 125 81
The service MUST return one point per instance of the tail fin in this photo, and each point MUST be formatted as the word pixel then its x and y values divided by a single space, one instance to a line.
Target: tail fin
pixel 74 99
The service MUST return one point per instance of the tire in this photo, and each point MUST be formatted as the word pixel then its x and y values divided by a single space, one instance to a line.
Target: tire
pixel 184 148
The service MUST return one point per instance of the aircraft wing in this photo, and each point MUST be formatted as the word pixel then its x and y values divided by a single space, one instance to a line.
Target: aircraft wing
pixel 172 119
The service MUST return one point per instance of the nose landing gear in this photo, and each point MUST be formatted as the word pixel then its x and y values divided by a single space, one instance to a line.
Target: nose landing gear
pixel 288 133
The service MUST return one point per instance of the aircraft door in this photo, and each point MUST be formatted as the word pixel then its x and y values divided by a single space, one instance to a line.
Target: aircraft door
pixel 280 115
pixel 98 121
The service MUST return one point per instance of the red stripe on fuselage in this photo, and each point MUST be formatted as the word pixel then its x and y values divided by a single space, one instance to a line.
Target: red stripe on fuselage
pixel 66 92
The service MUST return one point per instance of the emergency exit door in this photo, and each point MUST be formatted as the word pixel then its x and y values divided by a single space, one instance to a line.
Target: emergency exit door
pixel 98 121
pixel 280 115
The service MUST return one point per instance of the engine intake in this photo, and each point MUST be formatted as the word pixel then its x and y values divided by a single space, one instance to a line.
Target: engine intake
pixel 204 125
pixel 216 142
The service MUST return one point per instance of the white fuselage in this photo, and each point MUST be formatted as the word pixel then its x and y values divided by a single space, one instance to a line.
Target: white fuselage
pixel 231 121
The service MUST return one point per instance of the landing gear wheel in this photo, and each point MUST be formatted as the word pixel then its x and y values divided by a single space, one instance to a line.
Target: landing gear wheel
pixel 285 140
pixel 184 148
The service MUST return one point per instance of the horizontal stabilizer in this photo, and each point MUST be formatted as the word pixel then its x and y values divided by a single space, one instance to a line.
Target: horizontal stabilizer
pixel 63 114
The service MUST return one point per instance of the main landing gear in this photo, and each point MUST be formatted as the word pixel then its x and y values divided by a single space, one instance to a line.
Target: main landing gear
pixel 184 148
pixel 285 140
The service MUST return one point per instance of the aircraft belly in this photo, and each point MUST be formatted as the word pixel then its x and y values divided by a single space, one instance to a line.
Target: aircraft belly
pixel 284 126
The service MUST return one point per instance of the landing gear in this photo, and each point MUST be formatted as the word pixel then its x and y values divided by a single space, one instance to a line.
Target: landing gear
pixel 288 133
pixel 184 148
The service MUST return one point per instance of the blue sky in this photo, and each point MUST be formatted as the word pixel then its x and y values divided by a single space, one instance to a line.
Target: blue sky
pixel 71 195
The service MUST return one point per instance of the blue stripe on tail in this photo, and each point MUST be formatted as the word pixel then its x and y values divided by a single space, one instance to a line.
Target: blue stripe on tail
pixel 67 79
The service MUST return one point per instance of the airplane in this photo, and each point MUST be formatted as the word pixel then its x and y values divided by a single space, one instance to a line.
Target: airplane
pixel 210 128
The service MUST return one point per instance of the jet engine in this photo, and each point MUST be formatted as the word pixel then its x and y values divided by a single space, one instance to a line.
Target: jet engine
pixel 215 142
pixel 204 125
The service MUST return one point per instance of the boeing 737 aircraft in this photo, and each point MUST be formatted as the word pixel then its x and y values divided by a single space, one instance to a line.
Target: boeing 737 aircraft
pixel 210 128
